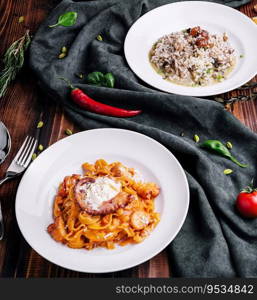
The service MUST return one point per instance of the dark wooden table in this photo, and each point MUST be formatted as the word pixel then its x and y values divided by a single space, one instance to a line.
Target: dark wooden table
pixel 20 110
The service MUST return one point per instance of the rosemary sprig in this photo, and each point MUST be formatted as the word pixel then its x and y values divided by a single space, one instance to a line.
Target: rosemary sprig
pixel 13 61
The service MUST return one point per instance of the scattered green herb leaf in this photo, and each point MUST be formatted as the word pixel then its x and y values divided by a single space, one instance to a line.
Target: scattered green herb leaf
pixel 64 49
pixel 219 77
pixel 34 156
pixel 99 38
pixel 229 145
pixel 79 75
pixel 67 19
pixel 241 56
pixel 227 171
pixel 196 138
pixel 61 55
pixel 21 19
pixel 40 147
pixel 40 124
pixel 68 131
pixel 13 61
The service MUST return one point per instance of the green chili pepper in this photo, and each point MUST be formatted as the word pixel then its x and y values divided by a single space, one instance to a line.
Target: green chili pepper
pixel 67 19
pixel 219 148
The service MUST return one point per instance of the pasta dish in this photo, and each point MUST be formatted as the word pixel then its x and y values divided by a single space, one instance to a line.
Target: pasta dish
pixel 109 205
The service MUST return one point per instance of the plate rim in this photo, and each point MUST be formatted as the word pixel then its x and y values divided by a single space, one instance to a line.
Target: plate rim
pixel 153 254
pixel 203 94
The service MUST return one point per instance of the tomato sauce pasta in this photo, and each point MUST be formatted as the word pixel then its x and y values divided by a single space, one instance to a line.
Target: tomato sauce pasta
pixel 127 218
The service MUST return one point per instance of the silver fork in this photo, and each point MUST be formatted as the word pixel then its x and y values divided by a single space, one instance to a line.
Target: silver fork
pixel 17 167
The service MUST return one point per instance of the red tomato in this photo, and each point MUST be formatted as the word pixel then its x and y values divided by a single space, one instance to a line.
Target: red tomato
pixel 246 203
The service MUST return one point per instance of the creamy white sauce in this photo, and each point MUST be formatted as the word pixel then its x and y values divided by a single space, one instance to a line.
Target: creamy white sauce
pixel 103 189
pixel 138 177
pixel 144 220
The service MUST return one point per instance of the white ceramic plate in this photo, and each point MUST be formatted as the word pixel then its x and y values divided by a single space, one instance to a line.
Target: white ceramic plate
pixel 39 184
pixel 216 18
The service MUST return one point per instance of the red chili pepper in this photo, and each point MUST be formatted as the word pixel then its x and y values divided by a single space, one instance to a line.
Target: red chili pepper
pixel 84 101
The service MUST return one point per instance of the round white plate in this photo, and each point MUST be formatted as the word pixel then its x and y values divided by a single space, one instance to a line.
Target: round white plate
pixel 216 18
pixel 35 196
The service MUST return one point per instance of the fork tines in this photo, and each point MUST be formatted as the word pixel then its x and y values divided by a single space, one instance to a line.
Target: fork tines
pixel 23 157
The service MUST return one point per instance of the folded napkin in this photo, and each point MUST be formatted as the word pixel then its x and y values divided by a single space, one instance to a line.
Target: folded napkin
pixel 214 240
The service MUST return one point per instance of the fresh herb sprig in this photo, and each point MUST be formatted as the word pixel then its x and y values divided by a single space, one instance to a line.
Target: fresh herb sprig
pixel 13 61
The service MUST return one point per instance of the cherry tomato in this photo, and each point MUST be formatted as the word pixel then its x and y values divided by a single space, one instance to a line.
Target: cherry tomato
pixel 246 202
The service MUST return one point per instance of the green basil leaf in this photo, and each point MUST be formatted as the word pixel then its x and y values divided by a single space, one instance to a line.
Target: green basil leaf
pixel 95 78
pixel 99 79
pixel 67 19
pixel 109 80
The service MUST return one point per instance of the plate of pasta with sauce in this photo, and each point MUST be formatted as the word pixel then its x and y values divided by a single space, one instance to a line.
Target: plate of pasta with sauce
pixel 102 200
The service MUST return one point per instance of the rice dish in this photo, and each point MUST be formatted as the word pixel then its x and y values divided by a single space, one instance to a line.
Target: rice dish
pixel 193 57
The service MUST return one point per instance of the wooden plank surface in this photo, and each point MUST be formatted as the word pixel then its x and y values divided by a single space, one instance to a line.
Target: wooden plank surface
pixel 20 110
